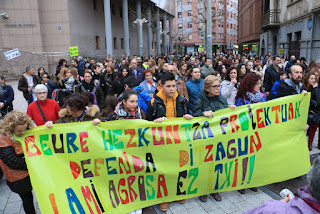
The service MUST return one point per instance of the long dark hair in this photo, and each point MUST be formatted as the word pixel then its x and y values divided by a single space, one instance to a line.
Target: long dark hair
pixel 110 105
pixel 247 84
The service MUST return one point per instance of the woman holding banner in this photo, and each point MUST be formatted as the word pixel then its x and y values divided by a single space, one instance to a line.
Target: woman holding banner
pixel 12 161
pixel 77 109
pixel 128 109
pixel 249 93
pixel 210 101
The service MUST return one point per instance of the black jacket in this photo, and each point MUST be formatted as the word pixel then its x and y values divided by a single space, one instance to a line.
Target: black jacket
pixel 157 109
pixel 285 90
pixel 11 159
pixel 270 77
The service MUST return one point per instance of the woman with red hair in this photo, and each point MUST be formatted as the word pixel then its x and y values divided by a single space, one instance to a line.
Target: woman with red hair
pixel 249 90
pixel 148 85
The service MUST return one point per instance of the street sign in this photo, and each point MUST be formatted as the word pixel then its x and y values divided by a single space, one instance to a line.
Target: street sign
pixel 59 28
pixel 74 51
pixel 281 51
pixel 12 54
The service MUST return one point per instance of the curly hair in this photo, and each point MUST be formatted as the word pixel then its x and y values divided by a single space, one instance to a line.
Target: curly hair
pixel 227 75
pixel 247 84
pixel 305 81
pixel 13 119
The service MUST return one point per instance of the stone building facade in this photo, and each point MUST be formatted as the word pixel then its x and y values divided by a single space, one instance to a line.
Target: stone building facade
pixel 49 28
pixel 291 27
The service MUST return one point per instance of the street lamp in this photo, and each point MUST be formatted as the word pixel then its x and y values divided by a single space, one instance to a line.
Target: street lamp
pixel 140 22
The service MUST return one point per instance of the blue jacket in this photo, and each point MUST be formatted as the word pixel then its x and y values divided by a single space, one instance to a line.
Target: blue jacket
pixel 194 88
pixel 7 98
pixel 145 87
pixel 244 101
pixel 275 88
pixel 81 68
pixel 143 98
pixel 138 75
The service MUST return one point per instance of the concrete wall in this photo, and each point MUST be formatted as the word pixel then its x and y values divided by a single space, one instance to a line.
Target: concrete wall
pixel 14 68
pixel 22 28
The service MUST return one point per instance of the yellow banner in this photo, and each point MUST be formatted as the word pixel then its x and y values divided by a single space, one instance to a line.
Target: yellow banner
pixel 120 166
pixel 74 51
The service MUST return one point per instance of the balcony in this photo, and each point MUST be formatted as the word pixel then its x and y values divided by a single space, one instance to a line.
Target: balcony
pixel 270 19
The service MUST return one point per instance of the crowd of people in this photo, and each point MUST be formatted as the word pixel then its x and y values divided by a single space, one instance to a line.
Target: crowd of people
pixel 154 89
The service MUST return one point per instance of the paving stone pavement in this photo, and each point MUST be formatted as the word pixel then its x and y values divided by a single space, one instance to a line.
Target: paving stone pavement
pixel 232 202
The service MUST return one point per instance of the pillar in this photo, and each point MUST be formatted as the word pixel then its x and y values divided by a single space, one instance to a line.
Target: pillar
pixel 149 17
pixel 158 31
pixel 164 36
pixel 108 27
pixel 170 36
pixel 140 28
pixel 126 27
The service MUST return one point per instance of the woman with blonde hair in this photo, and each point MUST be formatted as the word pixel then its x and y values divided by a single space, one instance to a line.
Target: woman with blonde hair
pixel 67 80
pixel 152 65
pixel 210 101
pixel 12 161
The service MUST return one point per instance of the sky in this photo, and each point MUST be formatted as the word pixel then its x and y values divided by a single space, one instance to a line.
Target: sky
pixel 167 5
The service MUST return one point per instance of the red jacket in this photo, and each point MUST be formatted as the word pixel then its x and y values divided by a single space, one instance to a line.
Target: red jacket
pixel 50 109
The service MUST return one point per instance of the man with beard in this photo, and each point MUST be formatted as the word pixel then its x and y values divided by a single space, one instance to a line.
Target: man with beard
pixel 292 85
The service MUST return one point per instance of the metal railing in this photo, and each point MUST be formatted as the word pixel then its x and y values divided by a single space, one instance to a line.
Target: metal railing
pixel 271 18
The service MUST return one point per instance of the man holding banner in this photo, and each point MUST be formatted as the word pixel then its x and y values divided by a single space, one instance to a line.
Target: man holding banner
pixel 167 104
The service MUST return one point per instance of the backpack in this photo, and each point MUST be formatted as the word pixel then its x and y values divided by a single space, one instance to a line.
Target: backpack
pixel 95 102
pixel 59 94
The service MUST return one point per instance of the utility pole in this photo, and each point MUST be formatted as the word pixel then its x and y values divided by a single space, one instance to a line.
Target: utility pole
pixel 209 29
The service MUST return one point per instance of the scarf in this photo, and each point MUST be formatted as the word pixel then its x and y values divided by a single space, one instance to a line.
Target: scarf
pixel 69 84
pixel 149 82
pixel 253 98
pixel 121 114
pixel 88 86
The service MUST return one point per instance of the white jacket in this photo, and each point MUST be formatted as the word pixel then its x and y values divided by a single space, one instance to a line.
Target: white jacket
pixel 228 91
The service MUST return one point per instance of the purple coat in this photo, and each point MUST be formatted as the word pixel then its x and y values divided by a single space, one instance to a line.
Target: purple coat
pixel 305 203
pixel 138 75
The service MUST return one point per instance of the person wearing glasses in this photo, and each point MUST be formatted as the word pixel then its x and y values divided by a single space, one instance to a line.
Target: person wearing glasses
pixel 230 84
pixel 43 111
pixel 27 82
pixel 77 108
pixel 49 84
pixel 210 100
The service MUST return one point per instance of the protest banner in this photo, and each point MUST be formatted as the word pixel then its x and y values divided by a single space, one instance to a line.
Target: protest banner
pixel 120 166
pixel 74 51
pixel 12 54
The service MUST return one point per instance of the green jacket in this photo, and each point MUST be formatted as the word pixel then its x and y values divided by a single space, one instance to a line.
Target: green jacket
pixel 205 103
pixel 92 113
pixel 205 71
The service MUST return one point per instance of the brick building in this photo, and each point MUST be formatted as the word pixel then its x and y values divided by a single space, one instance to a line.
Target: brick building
pixel 190 25
pixel 249 27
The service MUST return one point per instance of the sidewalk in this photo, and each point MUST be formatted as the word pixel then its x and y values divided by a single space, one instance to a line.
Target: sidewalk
pixel 232 202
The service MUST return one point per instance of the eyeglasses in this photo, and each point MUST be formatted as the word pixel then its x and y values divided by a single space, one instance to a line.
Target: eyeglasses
pixel 170 70
pixel 216 86
pixel 41 93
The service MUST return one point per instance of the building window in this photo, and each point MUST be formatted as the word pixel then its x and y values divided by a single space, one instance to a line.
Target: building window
pixel 115 43
pixel 122 43
pixel 179 2
pixel 190 25
pixel 95 7
pixel 113 10
pixel 189 1
pixel 190 13
pixel 190 36
pixel 179 14
pixel 180 25
pixel 97 42
pixel 200 12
